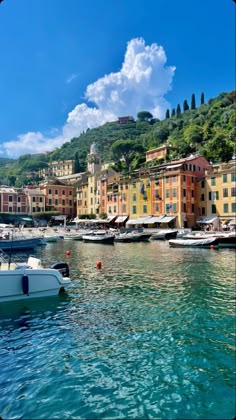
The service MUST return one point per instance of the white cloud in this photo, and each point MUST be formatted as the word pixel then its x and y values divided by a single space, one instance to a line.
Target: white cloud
pixel 72 77
pixel 140 85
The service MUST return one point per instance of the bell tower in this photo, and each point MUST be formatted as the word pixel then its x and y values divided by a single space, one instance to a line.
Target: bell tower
pixel 94 160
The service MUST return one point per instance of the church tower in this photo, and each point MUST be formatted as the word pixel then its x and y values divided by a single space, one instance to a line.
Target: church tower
pixel 94 160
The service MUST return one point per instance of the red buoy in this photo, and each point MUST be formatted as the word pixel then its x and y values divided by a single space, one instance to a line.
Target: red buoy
pixel 99 264
pixel 212 247
pixel 68 253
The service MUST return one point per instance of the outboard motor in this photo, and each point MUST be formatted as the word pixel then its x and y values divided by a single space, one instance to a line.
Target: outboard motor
pixel 62 267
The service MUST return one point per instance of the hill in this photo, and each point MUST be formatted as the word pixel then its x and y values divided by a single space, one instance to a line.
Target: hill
pixel 209 129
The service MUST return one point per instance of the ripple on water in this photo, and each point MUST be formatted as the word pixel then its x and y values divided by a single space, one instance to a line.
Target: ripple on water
pixel 150 335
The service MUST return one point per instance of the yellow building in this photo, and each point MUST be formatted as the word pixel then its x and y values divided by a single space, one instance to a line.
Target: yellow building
pixel 217 193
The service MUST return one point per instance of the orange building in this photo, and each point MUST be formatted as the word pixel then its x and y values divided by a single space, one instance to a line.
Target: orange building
pixel 59 197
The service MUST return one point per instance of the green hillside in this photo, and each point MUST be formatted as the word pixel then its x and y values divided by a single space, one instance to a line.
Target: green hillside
pixel 209 129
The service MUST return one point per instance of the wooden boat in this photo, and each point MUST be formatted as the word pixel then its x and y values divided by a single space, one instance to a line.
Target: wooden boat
pixel 99 236
pixel 22 281
pixel 17 243
pixel 203 243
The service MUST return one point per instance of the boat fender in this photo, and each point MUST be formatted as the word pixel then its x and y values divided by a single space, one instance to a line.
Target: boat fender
pixel 25 284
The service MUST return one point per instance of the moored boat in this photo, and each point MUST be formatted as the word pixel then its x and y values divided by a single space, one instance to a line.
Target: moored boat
pixel 99 236
pixel 204 242
pixel 165 234
pixel 22 281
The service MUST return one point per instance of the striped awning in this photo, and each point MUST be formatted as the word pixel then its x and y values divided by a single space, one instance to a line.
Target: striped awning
pixel 167 219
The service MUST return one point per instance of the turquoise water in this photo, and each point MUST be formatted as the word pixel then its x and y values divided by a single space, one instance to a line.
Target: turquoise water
pixel 149 336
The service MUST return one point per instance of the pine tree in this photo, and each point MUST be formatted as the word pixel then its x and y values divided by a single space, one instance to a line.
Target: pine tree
pixel 167 113
pixel 193 102
pixel 77 167
pixel 178 110
pixel 173 112
pixel 202 99
pixel 185 105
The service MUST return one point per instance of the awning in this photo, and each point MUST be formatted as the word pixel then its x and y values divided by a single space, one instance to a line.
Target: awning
pixel 208 219
pixel 167 219
pixel 139 221
pixel 232 222
pixel 121 219
pixel 156 219
pixel 174 166
pixel 110 219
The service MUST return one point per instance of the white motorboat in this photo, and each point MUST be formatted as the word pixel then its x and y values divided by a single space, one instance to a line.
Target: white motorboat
pixel 204 242
pixel 99 236
pixel 31 280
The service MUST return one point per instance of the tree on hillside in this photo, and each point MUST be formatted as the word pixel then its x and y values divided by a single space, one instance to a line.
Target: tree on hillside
pixel 173 112
pixel 77 167
pixel 193 102
pixel 202 100
pixel 167 113
pixel 144 116
pixel 185 105
pixel 126 149
pixel 178 110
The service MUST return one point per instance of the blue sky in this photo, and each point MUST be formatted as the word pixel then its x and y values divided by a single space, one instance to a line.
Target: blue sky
pixel 67 65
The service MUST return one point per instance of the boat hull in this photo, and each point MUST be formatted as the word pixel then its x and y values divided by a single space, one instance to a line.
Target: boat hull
pixel 40 283
pixel 200 243
pixel 19 243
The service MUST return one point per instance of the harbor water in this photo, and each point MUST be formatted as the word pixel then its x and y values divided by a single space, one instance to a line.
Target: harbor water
pixel 150 335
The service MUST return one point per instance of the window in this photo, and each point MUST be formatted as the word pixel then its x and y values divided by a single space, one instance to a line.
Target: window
pixel 109 209
pixel 174 179
pixel 224 178
pixel 134 210
pixel 213 182
pixel 70 202
pixel 167 193
pixel 63 202
pixel 134 184
pixel 123 209
pixel 134 198
pixel 174 192
pixel 184 192
pixel 18 199
pixel 18 209
pixel 192 178
pixel 185 208
pixel 209 196
pixel 147 183
pixel 167 208
pixel 10 198
pixel 91 201
pixel 50 201
pixel 215 195
pixel 167 179
pixel 56 202
pixel 56 192
pixel 192 193
pixel 233 192
pixel 233 177
pixel 91 190
pixel 174 208
pixel 184 178
pixel 213 209
pixel 34 199
pixel 157 207
pixel 40 199
pixel 192 208
pixel 63 192
pixel 202 197
pixel 225 192
pixel 70 192
pixel 10 209
pixel 226 208
pixel 34 209
pixel 49 191
pixel 203 211
pixel 144 208
pixel 203 184
pixel 233 206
